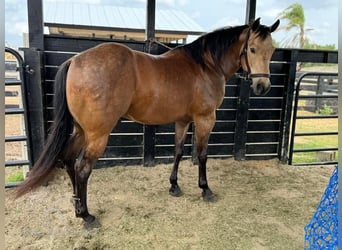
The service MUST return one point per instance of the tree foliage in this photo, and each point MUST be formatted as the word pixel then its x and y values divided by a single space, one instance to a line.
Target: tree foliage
pixel 320 47
pixel 294 15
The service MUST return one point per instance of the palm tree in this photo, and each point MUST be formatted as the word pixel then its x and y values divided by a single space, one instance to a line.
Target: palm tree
pixel 294 14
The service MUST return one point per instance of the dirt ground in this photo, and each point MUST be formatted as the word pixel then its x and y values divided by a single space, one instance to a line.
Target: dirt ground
pixel 261 205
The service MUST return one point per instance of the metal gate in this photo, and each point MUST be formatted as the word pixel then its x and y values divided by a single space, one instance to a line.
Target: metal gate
pixel 17 141
pixel 318 111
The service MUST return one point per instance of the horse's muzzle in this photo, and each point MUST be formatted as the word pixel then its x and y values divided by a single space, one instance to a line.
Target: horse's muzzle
pixel 261 87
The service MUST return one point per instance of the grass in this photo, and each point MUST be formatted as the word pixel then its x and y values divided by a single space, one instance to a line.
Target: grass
pixel 322 141
pixel 15 177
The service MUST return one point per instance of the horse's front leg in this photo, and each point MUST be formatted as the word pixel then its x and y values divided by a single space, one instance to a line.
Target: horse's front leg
pixel 181 128
pixel 204 126
pixel 207 194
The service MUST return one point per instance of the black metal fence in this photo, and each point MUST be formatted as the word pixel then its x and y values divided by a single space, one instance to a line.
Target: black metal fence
pixel 21 139
pixel 247 127
pixel 318 93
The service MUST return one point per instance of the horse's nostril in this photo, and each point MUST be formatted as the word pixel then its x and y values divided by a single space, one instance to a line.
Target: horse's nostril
pixel 260 88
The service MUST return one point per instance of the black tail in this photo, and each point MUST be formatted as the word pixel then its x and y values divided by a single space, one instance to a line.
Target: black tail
pixel 57 139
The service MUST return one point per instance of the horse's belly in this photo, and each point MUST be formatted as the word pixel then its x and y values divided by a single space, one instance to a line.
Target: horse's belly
pixel 157 114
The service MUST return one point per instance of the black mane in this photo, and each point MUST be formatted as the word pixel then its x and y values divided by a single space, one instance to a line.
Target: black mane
pixel 217 42
pixel 263 31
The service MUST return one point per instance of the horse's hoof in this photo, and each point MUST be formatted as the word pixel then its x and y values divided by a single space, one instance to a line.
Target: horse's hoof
pixel 209 196
pixel 88 218
pixel 175 191
pixel 91 222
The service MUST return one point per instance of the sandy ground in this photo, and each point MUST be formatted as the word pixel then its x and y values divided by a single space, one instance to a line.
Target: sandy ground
pixel 261 205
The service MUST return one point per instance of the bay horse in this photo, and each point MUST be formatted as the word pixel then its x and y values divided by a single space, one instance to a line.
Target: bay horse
pixel 97 87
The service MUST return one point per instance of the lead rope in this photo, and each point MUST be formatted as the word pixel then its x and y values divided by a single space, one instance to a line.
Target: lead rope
pixel 153 40
pixel 244 53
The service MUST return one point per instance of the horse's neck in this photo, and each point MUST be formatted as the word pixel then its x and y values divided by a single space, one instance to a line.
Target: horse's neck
pixel 231 61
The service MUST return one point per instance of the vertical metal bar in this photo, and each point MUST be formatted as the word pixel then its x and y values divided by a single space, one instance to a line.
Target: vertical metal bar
pixel 150 19
pixel 149 131
pixel 250 11
pixel 242 120
pixel 35 24
pixel 34 93
pixel 34 61
pixel 287 109
pixel 149 145
pixel 26 118
pixel 194 155
pixel 319 91
pixel 294 119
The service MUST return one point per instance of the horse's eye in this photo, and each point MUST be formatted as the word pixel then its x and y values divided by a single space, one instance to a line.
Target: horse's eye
pixel 253 50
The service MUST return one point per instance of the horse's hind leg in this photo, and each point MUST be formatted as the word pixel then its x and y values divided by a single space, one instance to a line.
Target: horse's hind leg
pixel 83 168
pixel 181 128
pixel 73 149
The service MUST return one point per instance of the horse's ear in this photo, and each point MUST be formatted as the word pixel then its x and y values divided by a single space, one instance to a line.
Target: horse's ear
pixel 274 26
pixel 256 24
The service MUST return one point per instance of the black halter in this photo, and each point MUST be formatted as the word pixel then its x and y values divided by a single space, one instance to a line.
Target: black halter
pixel 244 53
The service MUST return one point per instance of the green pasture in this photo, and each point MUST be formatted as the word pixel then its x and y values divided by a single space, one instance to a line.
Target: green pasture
pixel 319 141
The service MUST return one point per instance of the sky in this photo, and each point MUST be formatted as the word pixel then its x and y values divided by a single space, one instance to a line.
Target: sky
pixel 320 15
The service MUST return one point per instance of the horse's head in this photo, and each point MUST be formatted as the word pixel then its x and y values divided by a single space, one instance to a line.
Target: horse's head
pixel 256 53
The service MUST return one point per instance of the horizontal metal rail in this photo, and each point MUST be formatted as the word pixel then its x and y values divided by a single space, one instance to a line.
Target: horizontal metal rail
pixel 14 111
pixel 316 163
pixel 306 150
pixel 12 82
pixel 17 163
pixel 15 138
pixel 317 117
pixel 317 96
pixel 316 133
pixel 12 184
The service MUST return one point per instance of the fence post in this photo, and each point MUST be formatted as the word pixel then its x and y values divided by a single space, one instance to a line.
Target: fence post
pixel 35 24
pixel 240 138
pixel 34 93
pixel 284 136
pixel 149 131
pixel 319 91
pixel 250 11
pixel 33 58
pixel 149 144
